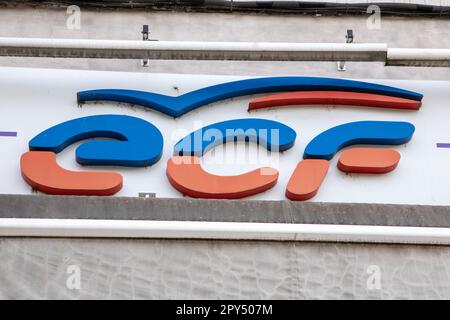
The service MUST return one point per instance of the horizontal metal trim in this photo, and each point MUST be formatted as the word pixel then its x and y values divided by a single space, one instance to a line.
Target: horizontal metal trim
pixel 243 51
pixel 76 228
pixel 418 57
pixel 190 50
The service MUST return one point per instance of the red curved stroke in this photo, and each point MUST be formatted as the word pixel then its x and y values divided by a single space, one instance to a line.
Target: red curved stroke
pixel 42 172
pixel 187 176
pixel 333 98
pixel 306 179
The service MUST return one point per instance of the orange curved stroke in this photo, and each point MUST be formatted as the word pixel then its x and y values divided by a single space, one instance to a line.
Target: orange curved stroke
pixel 187 176
pixel 333 98
pixel 368 160
pixel 306 179
pixel 41 171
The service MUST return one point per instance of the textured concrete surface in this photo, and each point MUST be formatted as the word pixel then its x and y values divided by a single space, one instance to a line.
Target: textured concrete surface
pixel 144 269
pixel 180 26
pixel 66 207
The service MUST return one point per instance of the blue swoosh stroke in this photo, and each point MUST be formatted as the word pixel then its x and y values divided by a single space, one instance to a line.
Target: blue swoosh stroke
pixel 273 135
pixel 140 143
pixel 177 106
pixel 326 144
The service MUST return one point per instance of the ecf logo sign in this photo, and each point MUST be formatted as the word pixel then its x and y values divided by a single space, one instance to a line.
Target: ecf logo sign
pixel 138 143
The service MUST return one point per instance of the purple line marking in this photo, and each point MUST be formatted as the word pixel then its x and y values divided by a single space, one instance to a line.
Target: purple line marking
pixel 8 134
pixel 443 145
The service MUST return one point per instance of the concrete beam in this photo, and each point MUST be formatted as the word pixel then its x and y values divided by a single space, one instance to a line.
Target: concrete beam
pixel 418 57
pixel 187 209
pixel 190 50
pixel 244 51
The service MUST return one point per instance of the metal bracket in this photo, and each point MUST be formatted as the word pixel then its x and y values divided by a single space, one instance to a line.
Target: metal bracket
pixel 146 195
pixel 348 39
pixel 146 37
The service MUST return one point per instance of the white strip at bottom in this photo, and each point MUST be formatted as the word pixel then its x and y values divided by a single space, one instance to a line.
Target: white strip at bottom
pixel 89 228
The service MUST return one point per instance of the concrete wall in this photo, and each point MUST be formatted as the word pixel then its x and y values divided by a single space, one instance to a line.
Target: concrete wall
pixel 395 31
pixel 180 269
pixel 162 269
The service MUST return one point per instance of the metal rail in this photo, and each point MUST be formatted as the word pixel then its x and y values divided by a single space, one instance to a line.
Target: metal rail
pixel 196 50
